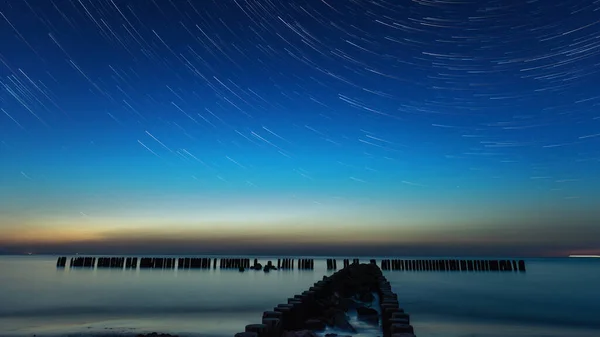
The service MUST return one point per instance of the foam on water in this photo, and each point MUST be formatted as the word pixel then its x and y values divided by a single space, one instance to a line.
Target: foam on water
pixel 363 329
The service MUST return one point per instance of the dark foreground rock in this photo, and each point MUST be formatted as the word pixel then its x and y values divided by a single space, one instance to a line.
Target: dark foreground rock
pixel 327 303
pixel 154 334
pixel 300 333
pixel 351 288
pixel 368 315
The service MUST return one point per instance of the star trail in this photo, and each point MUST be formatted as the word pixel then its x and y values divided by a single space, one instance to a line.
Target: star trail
pixel 416 127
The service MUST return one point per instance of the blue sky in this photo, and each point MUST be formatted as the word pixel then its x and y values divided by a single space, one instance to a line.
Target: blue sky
pixel 288 124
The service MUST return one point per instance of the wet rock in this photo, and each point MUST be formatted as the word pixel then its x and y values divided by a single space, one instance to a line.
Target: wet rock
pixel 257 266
pixel 340 321
pixel 349 288
pixel 401 315
pixel 273 326
pixel 401 328
pixel 299 333
pixel 346 304
pixel 358 280
pixel 398 321
pixel 154 334
pixel 314 325
pixel 364 311
pixel 272 314
pixel 242 269
pixel 368 314
pixel 352 288
pixel 259 329
pixel 366 297
pixel 246 334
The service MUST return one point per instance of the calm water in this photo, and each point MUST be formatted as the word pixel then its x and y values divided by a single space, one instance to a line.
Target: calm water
pixel 556 297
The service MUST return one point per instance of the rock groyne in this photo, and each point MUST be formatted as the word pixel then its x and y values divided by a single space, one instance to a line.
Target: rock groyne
pixel 360 291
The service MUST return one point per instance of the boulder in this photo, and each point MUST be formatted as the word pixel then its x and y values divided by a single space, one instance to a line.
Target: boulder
pixel 364 311
pixel 368 314
pixel 401 328
pixel 259 329
pixel 314 325
pixel 340 321
pixel 346 304
pixel 366 296
pixel 299 333
pixel 246 334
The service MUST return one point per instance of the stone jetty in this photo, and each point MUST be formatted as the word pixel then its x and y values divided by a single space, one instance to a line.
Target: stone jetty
pixel 358 290
pixel 242 264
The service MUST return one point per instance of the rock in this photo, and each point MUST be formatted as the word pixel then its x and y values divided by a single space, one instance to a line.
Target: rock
pixel 368 315
pixel 272 314
pixel 398 321
pixel 259 329
pixel 246 334
pixel 269 267
pixel 403 335
pixel 340 321
pixel 358 280
pixel 346 304
pixel 401 328
pixel 242 269
pixel 273 326
pixel 299 333
pixel 364 311
pixel 366 297
pixel 350 288
pixel 257 266
pixel 314 325
pixel 401 315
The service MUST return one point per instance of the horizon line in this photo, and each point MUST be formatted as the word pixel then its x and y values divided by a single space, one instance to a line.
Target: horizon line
pixel 305 255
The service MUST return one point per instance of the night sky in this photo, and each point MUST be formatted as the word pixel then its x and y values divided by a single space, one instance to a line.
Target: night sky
pixel 431 127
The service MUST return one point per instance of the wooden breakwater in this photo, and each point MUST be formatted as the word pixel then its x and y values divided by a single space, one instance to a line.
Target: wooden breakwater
pixel 183 263
pixel 356 288
pixel 61 262
pixel 289 264
pixel 454 265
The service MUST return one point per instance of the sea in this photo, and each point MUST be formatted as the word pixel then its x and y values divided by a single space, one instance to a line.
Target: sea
pixel 554 298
